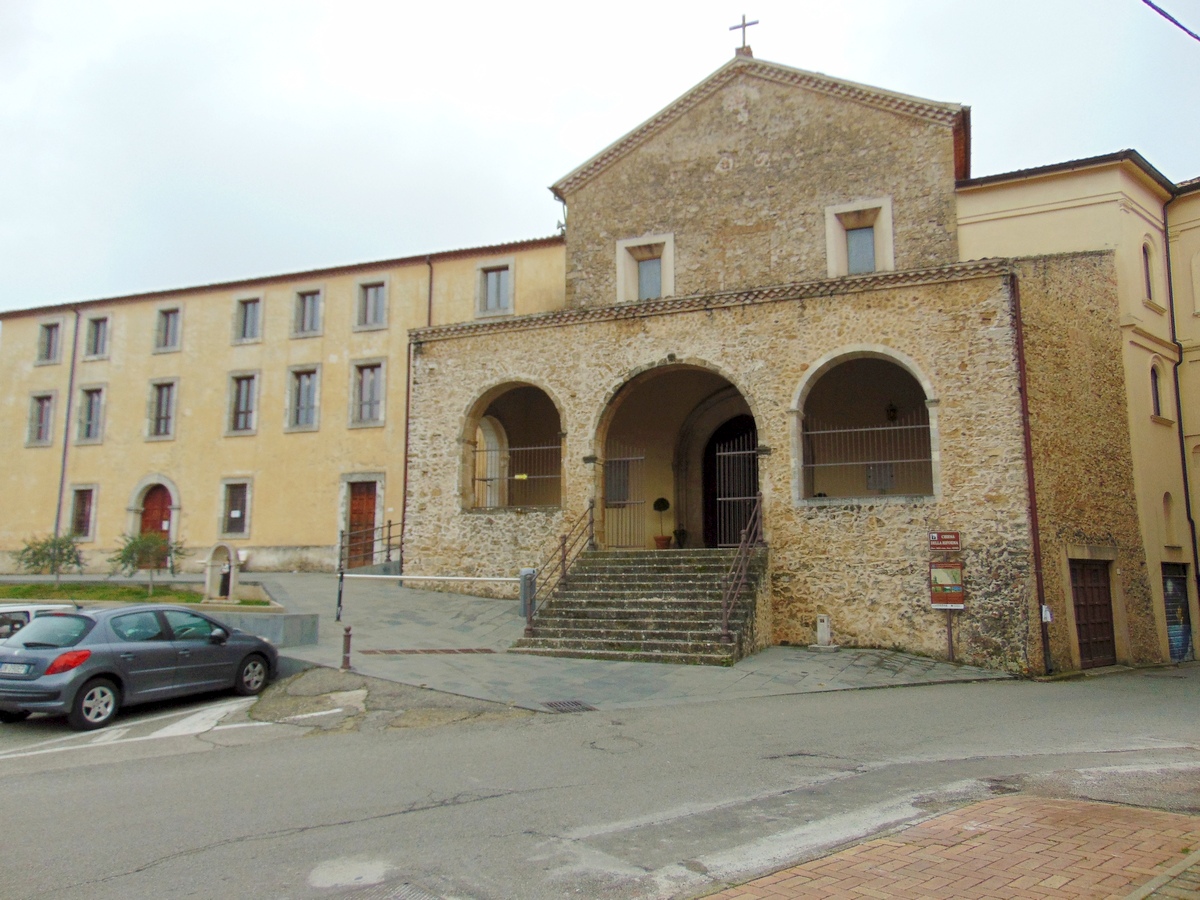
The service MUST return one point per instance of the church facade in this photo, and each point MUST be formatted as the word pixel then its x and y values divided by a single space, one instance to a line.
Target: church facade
pixel 783 289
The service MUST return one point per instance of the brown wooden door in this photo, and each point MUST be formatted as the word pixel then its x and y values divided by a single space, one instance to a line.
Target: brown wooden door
pixel 360 537
pixel 1093 613
pixel 156 513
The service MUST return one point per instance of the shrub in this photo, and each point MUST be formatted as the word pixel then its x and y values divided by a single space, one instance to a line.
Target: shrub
pixel 50 555
pixel 151 552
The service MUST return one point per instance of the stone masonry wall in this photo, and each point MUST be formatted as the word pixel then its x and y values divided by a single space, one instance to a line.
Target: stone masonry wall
pixel 863 562
pixel 743 179
pixel 1083 461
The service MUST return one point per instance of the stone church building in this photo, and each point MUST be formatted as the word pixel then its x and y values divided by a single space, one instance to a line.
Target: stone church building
pixel 782 286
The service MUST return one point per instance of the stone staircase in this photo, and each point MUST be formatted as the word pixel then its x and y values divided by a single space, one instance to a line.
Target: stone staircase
pixel 645 606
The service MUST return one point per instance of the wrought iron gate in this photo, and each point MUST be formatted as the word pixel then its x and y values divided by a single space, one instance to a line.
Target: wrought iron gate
pixel 624 497
pixel 737 486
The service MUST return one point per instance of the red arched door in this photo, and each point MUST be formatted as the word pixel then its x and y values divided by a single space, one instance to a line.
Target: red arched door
pixel 156 512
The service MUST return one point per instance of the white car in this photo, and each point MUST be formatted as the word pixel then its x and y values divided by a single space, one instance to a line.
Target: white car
pixel 15 616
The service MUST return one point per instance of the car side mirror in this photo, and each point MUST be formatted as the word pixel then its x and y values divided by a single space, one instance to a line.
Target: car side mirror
pixel 219 636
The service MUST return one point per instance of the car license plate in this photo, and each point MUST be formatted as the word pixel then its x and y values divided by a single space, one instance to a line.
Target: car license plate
pixel 14 669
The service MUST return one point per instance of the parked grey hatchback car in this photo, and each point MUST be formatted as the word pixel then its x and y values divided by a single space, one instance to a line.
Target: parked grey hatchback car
pixel 90 663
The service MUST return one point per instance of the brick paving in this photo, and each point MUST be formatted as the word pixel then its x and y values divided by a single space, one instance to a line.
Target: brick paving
pixel 1008 847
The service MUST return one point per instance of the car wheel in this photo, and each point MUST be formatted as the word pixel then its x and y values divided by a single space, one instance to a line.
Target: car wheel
pixel 11 718
pixel 252 676
pixel 95 705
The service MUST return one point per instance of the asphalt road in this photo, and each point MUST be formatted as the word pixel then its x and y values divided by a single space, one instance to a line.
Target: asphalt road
pixel 338 786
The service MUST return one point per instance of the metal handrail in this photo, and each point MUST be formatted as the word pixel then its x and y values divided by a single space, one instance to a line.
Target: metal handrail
pixel 554 569
pixel 735 580
pixel 364 538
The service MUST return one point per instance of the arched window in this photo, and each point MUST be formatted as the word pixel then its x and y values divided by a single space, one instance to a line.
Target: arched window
pixel 516 459
pixel 865 433
pixel 1147 271
pixel 1155 392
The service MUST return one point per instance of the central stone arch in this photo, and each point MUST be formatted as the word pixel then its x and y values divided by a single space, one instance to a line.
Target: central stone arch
pixel 651 441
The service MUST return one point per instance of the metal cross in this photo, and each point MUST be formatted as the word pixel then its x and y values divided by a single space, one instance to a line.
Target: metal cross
pixel 743 26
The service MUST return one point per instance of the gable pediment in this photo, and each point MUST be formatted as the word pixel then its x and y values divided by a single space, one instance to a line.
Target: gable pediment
pixel 948 114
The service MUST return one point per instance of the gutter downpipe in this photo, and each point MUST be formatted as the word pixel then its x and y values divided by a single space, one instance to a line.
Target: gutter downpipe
pixel 1034 524
pixel 1183 461
pixel 62 471
pixel 408 386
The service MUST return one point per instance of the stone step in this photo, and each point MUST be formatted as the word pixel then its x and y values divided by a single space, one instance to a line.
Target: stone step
pixel 619 604
pixel 625 617
pixel 680 632
pixel 686 659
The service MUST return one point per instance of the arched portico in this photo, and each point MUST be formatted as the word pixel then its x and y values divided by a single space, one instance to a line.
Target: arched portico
pixel 653 437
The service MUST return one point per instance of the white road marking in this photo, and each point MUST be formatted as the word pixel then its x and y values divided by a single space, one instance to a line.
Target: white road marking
pixel 326 712
pixel 194 723
pixel 109 735
pixel 203 720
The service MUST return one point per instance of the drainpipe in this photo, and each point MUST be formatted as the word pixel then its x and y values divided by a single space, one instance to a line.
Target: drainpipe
pixel 1183 460
pixel 62 471
pixel 407 431
pixel 429 297
pixel 1034 525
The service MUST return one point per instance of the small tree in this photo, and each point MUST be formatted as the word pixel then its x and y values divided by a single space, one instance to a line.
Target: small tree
pixel 661 505
pixel 150 551
pixel 50 555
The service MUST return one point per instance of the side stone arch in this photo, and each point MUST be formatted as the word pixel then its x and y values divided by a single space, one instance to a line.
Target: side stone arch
pixel 822 367
pixel 510 442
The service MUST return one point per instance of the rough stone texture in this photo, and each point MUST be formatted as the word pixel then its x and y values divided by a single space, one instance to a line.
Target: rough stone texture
pixel 1083 461
pixel 743 179
pixel 862 561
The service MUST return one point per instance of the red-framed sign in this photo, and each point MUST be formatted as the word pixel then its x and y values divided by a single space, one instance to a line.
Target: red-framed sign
pixel 942 541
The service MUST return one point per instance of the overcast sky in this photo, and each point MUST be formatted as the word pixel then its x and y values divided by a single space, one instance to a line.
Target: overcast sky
pixel 149 144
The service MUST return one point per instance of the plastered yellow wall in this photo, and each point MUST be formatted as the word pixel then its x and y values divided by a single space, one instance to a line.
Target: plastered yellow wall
pixel 298 478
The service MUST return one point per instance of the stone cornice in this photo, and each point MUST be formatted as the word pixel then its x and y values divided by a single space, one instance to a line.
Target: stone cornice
pixel 829 287
pixel 940 113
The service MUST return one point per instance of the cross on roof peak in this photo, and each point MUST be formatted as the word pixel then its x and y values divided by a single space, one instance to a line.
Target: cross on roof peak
pixel 743 50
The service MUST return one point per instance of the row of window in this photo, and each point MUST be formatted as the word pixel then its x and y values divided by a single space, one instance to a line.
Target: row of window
pixel 494 297
pixel 303 409
pixel 235 510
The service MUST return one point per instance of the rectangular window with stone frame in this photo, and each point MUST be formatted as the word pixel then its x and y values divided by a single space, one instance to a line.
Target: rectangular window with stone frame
pixel 235 520
pixel 166 334
pixel 91 410
pixel 41 421
pixel 95 344
pixel 48 342
pixel 367 406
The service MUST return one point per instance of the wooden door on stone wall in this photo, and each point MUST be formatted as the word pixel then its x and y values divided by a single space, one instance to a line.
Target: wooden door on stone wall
pixel 360 536
pixel 1092 597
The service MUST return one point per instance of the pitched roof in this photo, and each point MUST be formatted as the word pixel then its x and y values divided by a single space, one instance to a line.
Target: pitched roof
pixel 1130 156
pixel 949 114
pixel 302 275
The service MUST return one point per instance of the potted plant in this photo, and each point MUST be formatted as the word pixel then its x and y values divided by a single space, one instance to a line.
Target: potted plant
pixel 662 541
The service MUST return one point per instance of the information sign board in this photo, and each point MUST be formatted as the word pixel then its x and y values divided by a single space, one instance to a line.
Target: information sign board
pixel 946 585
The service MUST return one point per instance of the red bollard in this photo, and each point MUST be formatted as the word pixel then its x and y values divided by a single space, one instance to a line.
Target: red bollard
pixel 346 650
